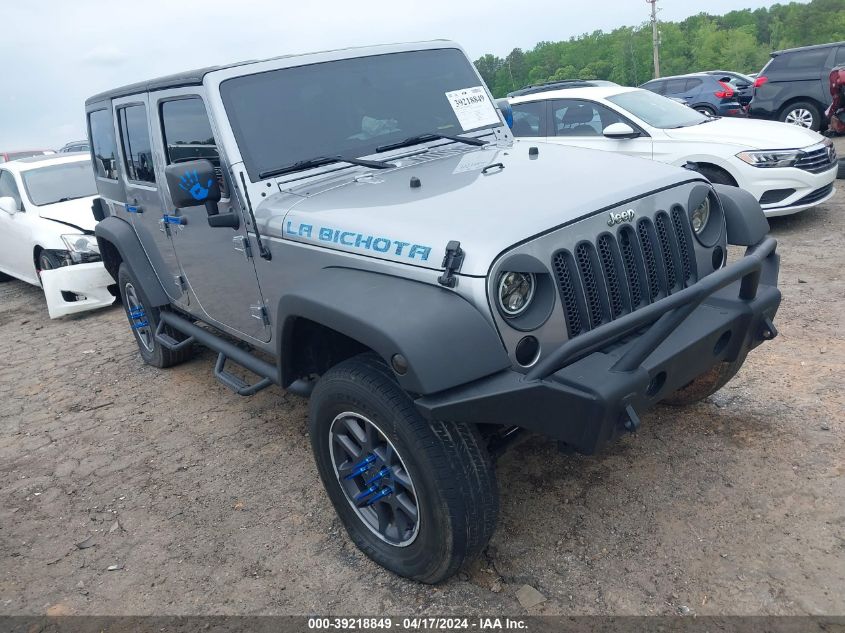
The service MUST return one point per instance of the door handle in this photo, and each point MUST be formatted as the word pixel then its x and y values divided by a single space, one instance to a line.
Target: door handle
pixel 175 219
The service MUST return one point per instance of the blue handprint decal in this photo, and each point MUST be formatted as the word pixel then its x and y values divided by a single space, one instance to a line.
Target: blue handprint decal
pixel 190 182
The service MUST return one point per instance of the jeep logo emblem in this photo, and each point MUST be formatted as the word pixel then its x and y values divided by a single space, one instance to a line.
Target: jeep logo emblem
pixel 619 218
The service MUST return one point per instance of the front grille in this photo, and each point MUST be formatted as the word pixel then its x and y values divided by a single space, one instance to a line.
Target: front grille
pixel 618 273
pixel 816 195
pixel 817 161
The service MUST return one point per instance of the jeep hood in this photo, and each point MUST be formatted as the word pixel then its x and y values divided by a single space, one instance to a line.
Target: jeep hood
pixel 488 199
pixel 75 213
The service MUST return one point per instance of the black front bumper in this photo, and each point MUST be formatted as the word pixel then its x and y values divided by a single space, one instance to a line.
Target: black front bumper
pixel 589 389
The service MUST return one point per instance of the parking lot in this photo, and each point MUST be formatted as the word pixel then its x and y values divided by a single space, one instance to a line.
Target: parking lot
pixel 129 490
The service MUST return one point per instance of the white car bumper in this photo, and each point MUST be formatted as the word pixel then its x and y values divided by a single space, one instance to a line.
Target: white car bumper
pixel 809 189
pixel 76 288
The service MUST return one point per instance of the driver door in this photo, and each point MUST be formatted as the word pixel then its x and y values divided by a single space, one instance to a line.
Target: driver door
pixel 580 123
pixel 215 264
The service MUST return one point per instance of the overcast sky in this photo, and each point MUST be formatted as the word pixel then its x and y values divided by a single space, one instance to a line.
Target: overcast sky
pixel 58 52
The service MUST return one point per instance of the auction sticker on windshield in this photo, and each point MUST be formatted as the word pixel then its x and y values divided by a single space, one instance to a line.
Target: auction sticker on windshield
pixel 472 107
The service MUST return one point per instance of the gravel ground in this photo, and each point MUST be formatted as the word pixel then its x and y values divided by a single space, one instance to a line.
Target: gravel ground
pixel 208 503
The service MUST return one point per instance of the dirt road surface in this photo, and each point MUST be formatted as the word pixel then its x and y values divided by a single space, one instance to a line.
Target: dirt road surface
pixel 203 502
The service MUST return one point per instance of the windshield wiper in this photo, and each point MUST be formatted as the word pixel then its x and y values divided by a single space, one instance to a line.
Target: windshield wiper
pixel 71 198
pixel 319 161
pixel 431 136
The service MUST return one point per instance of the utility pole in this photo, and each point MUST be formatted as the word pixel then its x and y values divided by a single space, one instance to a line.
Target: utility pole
pixel 655 37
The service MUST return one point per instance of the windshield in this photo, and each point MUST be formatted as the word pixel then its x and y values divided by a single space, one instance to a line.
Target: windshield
pixel 56 183
pixel 350 107
pixel 657 111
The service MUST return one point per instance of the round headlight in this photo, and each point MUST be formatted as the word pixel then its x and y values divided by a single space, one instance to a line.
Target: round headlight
pixel 700 216
pixel 516 290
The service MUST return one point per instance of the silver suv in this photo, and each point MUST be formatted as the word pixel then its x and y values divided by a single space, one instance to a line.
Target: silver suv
pixel 360 227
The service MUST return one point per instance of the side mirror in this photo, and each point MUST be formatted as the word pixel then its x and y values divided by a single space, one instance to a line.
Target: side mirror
pixel 620 131
pixel 8 204
pixel 193 183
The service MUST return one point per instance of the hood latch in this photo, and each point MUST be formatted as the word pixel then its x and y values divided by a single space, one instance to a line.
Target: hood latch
pixel 451 264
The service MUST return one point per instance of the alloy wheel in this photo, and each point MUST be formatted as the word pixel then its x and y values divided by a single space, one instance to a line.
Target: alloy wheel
pixel 374 479
pixel 138 319
pixel 801 117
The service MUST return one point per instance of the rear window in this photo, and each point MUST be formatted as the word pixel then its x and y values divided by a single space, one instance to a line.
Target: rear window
pixel 135 139
pixel 101 132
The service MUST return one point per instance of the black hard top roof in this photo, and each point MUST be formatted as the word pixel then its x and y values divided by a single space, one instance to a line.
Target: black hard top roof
pixel 189 78
pixel 806 48
pixel 178 80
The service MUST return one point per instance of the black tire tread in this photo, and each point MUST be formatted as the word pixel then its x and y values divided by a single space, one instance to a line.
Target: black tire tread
pixel 161 357
pixel 464 471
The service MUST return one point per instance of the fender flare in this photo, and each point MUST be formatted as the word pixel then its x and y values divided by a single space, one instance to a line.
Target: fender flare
pixel 120 234
pixel 744 218
pixel 445 339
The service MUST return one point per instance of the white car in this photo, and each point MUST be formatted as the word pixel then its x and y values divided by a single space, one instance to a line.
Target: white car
pixel 47 231
pixel 787 168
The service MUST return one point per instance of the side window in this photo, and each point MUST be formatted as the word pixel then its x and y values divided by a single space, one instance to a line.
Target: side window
pixel 676 86
pixel 188 136
pixel 8 187
pixel 101 131
pixel 581 118
pixel 840 56
pixel 693 84
pixel 806 60
pixel 655 86
pixel 135 141
pixel 528 118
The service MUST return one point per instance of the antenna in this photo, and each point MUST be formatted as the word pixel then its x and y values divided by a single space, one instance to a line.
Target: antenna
pixel 655 38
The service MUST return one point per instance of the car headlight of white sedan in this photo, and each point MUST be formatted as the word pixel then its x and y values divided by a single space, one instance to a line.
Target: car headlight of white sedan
pixel 82 248
pixel 771 158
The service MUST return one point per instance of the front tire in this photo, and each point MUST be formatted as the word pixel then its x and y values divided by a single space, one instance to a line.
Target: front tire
pixel 143 319
pixel 803 114
pixel 425 499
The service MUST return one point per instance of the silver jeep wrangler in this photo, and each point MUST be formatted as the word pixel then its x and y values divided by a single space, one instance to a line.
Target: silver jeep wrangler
pixel 361 227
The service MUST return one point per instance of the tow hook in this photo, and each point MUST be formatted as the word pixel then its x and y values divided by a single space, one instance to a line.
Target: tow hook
pixel 767 329
pixel 631 419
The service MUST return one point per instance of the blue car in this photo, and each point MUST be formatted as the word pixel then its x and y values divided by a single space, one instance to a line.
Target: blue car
pixel 706 93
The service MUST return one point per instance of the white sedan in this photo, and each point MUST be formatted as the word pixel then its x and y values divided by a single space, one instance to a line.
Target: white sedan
pixel 47 231
pixel 787 168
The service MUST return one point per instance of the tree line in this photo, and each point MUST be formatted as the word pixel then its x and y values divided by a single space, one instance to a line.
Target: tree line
pixel 739 40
